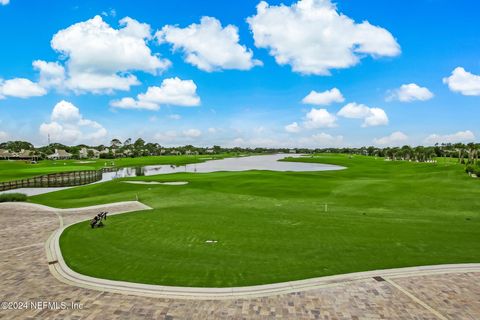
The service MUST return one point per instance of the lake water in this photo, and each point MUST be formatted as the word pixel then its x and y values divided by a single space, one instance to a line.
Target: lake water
pixel 263 162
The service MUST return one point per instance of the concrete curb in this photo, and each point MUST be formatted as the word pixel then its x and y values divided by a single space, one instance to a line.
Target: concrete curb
pixel 63 273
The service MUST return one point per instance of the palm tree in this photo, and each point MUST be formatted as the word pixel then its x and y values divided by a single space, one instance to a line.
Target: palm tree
pixel 459 147
pixel 115 143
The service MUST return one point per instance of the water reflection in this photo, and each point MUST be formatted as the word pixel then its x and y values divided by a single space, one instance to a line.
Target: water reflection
pixel 264 162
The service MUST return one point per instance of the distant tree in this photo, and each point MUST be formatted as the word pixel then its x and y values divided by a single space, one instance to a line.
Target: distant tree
pixel 17 145
pixel 139 144
pixel 115 143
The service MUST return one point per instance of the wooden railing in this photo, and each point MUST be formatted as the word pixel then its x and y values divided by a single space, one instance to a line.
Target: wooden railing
pixel 64 179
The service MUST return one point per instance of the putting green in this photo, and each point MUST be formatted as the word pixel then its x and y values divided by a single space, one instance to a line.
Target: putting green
pixel 272 226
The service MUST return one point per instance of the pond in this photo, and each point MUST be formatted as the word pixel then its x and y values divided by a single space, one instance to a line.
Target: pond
pixel 262 162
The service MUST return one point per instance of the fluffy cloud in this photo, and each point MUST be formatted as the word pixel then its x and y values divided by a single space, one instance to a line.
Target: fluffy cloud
pixel 314 38
pixel 464 82
pixel 394 139
pixel 67 125
pixel 100 59
pixel 319 118
pixel 371 116
pixel 3 135
pixel 209 46
pixel 20 88
pixel 324 98
pixel 292 127
pixel 173 91
pixel 410 92
pixel 461 136
pixel 52 74
pixel 4 2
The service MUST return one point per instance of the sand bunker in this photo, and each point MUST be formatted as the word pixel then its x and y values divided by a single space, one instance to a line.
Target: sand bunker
pixel 171 183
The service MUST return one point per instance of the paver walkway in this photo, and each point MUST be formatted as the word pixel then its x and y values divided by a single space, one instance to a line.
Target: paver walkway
pixel 25 276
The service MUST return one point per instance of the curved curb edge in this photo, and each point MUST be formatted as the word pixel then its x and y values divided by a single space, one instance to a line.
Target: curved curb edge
pixel 63 273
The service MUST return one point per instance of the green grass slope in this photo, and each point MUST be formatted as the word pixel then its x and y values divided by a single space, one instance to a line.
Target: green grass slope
pixel 272 227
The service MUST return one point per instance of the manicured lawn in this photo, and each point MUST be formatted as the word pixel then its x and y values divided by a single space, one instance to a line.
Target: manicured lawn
pixel 12 170
pixel 271 226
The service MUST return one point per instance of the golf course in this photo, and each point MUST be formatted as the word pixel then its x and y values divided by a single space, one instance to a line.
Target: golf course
pixel 13 170
pixel 226 229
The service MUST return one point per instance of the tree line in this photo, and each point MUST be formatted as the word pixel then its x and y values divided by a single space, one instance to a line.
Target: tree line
pixel 467 154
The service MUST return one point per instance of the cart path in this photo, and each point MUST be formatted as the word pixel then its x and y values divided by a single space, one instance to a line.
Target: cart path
pixel 441 292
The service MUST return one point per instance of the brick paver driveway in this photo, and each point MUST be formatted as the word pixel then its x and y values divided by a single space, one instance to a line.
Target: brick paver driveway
pixel 25 277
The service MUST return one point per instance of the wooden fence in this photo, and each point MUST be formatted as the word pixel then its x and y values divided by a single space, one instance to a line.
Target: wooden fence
pixel 64 179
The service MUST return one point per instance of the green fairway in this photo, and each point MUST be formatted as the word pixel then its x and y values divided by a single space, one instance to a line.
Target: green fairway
pixel 272 226
pixel 12 170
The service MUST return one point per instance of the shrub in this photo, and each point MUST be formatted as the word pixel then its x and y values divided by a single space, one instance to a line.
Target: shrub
pixel 470 169
pixel 477 172
pixel 12 197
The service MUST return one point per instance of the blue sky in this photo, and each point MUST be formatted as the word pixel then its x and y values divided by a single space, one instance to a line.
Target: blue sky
pixel 405 72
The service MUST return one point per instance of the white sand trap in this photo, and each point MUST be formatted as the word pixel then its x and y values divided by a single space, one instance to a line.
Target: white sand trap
pixel 85 162
pixel 171 183
pixel 211 241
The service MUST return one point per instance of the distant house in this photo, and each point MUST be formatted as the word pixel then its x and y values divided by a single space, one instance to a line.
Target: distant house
pixel 210 150
pixel 83 153
pixel 105 151
pixel 25 154
pixel 175 152
pixel 190 152
pixel 293 151
pixel 22 155
pixel 5 154
pixel 59 155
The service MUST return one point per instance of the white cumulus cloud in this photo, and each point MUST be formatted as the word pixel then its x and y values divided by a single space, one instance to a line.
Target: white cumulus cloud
pixel 460 136
pixel 67 125
pixel 4 2
pixel 371 116
pixel 313 37
pixel 209 46
pixel 410 92
pixel 3 135
pixel 395 139
pixel 20 88
pixel 464 82
pixel 324 98
pixel 293 127
pixel 52 74
pixel 101 59
pixel 172 91
pixel 319 118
